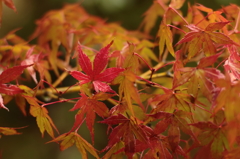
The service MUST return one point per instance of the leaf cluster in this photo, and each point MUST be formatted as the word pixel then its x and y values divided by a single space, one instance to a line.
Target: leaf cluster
pixel 181 101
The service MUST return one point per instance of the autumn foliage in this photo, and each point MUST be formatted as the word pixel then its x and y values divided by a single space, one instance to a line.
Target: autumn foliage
pixel 175 94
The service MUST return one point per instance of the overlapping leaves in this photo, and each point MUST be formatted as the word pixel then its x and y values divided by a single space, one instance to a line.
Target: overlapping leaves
pixel 121 133
pixel 90 106
pixel 207 76
pixel 205 40
pixel 68 139
pixel 172 128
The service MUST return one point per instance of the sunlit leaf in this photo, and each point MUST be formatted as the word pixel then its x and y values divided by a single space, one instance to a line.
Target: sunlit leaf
pixel 44 122
pixel 68 139
pixel 89 106
pixel 205 40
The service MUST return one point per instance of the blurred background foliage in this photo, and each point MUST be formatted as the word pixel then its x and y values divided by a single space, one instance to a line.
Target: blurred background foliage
pixel 127 12
pixel 30 145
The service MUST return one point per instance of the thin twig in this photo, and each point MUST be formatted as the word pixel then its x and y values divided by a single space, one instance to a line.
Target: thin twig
pixel 60 79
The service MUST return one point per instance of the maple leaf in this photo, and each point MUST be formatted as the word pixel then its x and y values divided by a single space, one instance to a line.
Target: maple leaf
pixel 95 73
pixel 122 133
pixel 158 145
pixel 90 106
pixel 232 12
pixel 160 148
pixel 213 16
pixel 213 137
pixel 173 99
pixel 176 121
pixel 44 122
pixel 207 76
pixel 68 139
pixel 127 90
pixel 7 76
pixel 205 40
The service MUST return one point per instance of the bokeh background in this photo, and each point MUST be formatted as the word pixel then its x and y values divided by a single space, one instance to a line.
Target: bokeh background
pixel 30 144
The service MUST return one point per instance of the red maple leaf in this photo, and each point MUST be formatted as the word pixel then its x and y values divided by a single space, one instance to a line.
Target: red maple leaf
pixel 95 73
pixel 7 76
pixel 212 137
pixel 90 106
pixel 130 131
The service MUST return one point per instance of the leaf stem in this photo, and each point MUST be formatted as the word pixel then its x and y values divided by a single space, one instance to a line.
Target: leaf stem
pixel 60 89
pixel 147 73
pixel 143 60
pixel 112 101
pixel 169 25
pixel 179 15
pixel 60 79
pixel 203 19
pixel 60 101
